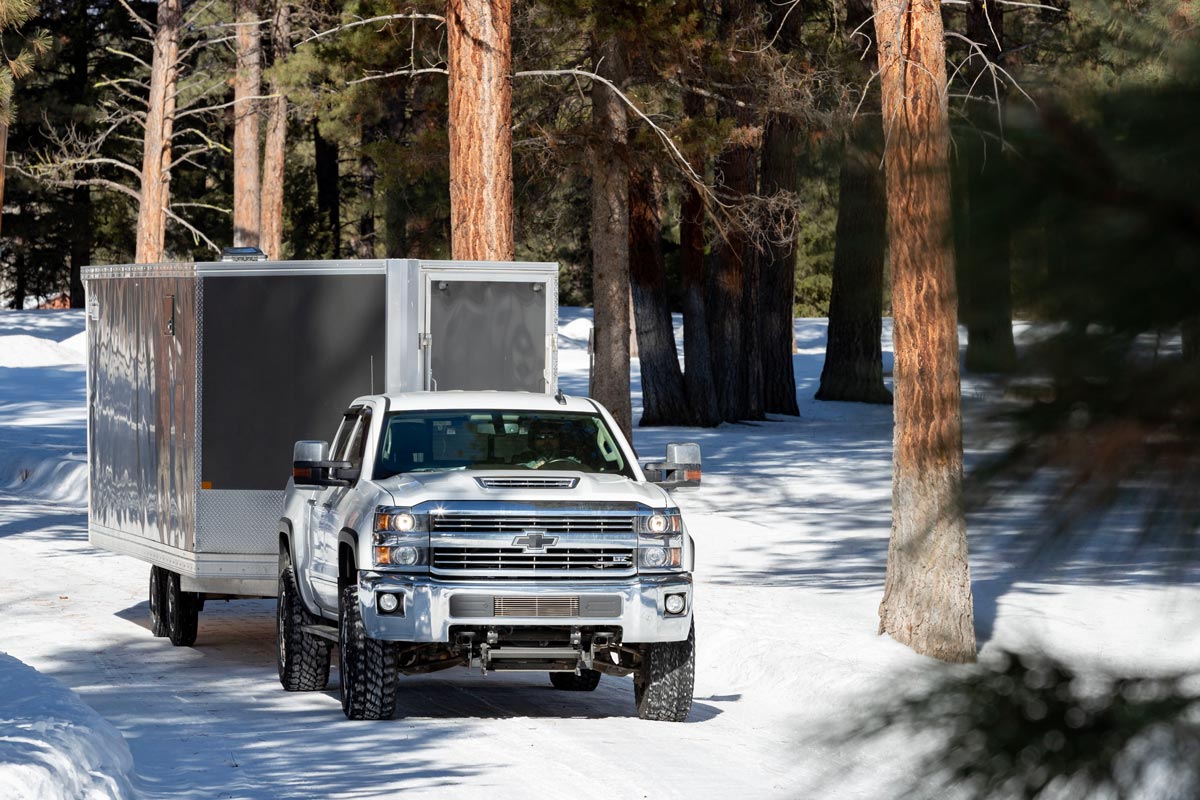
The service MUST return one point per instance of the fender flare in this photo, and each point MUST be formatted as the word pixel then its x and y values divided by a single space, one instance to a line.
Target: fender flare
pixel 347 572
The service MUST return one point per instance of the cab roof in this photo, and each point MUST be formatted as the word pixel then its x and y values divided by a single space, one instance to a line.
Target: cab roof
pixel 486 401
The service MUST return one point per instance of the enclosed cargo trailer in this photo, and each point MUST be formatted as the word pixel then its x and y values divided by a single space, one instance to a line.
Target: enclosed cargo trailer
pixel 201 377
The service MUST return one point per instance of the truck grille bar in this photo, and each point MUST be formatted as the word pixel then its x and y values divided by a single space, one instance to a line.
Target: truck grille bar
pixel 555 559
pixel 535 606
pixel 549 523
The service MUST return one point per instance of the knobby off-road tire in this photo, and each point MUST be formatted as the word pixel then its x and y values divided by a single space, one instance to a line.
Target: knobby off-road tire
pixel 182 613
pixel 662 688
pixel 587 680
pixel 370 667
pixel 158 601
pixel 302 658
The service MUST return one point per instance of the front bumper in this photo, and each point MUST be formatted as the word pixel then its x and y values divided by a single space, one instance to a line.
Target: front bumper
pixel 426 606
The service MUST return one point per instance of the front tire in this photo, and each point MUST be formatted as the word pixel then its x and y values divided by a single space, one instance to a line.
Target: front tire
pixel 662 686
pixel 158 601
pixel 182 612
pixel 302 658
pixel 586 681
pixel 370 667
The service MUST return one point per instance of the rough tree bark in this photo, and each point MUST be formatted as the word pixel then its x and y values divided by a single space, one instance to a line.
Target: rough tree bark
pixel 479 58
pixel 727 281
pixel 663 401
pixel 781 156
pixel 160 122
pixel 247 84
pixel 364 245
pixel 927 592
pixel 329 192
pixel 853 368
pixel 82 238
pixel 610 237
pixel 697 354
pixel 987 273
pixel 270 229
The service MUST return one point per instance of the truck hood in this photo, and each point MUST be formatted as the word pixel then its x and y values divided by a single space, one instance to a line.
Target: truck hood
pixel 463 485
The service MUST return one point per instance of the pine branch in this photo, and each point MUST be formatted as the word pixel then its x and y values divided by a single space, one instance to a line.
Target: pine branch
pixel 360 22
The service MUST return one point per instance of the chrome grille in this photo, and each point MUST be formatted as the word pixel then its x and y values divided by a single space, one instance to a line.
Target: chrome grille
pixel 534 606
pixel 527 483
pixel 549 523
pixel 572 559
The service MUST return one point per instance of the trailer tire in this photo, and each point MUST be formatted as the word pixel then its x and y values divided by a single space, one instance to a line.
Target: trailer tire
pixel 586 681
pixel 662 686
pixel 158 601
pixel 370 668
pixel 302 658
pixel 182 612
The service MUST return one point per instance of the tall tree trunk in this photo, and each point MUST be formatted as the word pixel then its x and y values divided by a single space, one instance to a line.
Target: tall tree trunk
pixel 782 154
pixel 81 241
pixel 329 192
pixel 247 84
pixel 3 165
pixel 697 353
pixel 1190 333
pixel 160 122
pixel 853 354
pixel 988 268
pixel 727 284
pixel 395 205
pixel 270 239
pixel 663 401
pixel 927 592
pixel 364 247
pixel 479 59
pixel 610 237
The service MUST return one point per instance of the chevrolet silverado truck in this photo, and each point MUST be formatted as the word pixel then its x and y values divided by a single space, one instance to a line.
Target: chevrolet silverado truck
pixel 493 530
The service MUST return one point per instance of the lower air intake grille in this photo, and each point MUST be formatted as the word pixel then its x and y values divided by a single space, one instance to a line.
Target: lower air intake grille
pixel 535 606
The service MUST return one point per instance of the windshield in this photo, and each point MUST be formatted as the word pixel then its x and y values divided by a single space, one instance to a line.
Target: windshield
pixel 425 441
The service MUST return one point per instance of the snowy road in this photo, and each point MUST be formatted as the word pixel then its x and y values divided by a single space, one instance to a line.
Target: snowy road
pixel 791 532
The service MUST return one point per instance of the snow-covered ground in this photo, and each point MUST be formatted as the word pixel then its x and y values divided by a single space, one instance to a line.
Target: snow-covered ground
pixel 791 529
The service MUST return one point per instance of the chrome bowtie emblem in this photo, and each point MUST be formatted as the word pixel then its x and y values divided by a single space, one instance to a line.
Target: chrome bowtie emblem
pixel 535 541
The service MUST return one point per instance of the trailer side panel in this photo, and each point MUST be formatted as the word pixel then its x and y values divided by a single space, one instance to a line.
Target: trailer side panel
pixel 141 407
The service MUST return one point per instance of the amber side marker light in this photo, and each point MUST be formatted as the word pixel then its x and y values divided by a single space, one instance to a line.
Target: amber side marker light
pixel 302 472
pixel 691 475
pixel 205 484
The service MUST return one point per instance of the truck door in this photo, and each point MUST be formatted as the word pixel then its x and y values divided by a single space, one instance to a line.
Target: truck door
pixel 488 334
pixel 324 519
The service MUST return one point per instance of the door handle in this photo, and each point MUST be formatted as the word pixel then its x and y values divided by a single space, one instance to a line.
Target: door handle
pixel 312 502
pixel 326 505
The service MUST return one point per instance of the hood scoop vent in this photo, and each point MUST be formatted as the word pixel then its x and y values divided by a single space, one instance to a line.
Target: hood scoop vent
pixel 527 483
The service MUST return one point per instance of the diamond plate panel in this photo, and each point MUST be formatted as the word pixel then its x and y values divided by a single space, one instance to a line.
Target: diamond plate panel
pixel 238 521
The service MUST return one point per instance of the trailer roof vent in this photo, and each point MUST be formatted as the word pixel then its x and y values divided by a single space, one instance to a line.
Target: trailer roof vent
pixel 242 254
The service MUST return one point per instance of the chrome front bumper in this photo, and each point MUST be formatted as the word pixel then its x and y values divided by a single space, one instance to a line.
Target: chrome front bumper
pixel 427 614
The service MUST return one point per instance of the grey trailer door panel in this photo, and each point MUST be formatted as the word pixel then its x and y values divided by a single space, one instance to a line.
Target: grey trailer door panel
pixel 487 334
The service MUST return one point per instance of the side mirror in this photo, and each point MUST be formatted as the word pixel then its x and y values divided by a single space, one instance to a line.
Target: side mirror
pixel 311 465
pixel 679 470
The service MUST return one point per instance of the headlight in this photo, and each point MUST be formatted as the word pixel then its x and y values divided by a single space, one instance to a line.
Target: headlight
pixel 393 519
pixel 401 540
pixel 661 553
pixel 666 520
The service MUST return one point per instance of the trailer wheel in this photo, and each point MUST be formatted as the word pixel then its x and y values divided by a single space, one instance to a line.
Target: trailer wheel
pixel 182 612
pixel 158 599
pixel 586 681
pixel 662 686
pixel 369 667
pixel 302 658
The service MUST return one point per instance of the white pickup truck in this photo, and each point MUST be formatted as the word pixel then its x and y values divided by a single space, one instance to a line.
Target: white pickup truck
pixel 494 530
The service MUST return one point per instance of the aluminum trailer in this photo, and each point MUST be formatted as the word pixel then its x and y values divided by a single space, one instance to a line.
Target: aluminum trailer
pixel 201 377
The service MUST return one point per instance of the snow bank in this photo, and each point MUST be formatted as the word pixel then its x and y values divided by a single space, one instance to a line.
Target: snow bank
pixel 32 351
pixel 52 745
